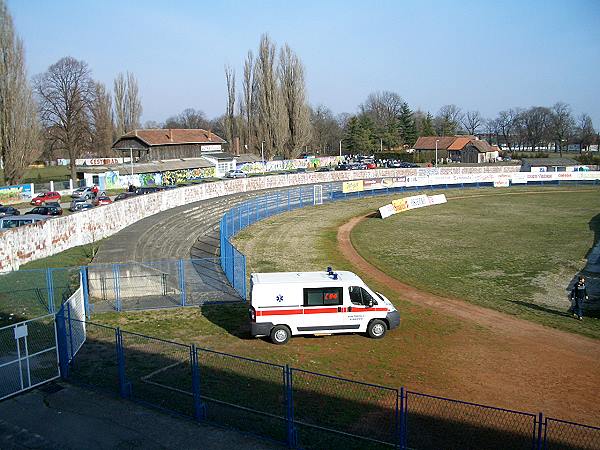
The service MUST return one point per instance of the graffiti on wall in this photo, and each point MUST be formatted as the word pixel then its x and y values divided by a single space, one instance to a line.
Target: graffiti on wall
pixel 183 175
pixel 289 164
pixel 15 194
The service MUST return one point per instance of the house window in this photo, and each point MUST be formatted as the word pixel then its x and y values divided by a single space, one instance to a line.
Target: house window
pixel 223 167
pixel 322 296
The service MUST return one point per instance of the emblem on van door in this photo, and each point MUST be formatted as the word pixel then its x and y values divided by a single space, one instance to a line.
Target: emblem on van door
pixel 279 298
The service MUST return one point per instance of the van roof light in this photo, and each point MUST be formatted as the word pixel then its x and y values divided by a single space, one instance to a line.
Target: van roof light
pixel 335 276
pixel 329 270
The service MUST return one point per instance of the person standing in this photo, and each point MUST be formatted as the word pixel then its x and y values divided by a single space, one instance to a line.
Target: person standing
pixel 578 295
pixel 95 191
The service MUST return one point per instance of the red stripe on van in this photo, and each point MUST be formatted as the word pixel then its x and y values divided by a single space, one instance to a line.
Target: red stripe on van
pixel 320 310
pixel 279 312
pixel 354 309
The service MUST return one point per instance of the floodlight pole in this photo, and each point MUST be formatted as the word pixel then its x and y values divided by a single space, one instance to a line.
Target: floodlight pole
pixel 436 152
pixel 262 154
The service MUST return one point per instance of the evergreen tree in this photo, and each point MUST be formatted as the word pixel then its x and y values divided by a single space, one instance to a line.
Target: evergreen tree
pixel 427 126
pixel 360 134
pixel 408 128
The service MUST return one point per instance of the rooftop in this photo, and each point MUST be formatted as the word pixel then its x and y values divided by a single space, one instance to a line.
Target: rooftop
pixel 172 136
pixel 150 167
pixel 304 277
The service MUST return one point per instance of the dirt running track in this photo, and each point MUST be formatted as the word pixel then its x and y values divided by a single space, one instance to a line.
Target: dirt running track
pixel 528 366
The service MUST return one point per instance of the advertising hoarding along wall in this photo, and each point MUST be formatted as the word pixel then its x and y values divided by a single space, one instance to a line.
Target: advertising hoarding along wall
pixel 416 201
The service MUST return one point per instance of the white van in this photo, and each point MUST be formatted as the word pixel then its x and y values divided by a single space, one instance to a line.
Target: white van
pixel 19 221
pixel 288 303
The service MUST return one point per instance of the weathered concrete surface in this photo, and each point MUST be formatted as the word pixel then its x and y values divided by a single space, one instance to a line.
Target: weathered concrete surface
pixel 75 418
pixel 21 245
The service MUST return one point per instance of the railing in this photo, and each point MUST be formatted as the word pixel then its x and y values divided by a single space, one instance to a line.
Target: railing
pixel 300 408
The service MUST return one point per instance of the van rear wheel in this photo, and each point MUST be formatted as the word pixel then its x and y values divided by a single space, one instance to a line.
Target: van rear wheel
pixel 280 334
pixel 376 329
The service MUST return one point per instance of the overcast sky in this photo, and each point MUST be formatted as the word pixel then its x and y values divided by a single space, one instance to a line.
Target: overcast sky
pixel 484 55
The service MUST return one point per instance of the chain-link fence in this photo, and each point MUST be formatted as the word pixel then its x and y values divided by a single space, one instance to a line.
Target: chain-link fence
pixel 563 435
pixel 337 413
pixel 244 393
pixel 301 408
pixel 435 422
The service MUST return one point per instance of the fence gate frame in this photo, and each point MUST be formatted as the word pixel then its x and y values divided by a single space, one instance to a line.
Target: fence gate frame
pixel 21 334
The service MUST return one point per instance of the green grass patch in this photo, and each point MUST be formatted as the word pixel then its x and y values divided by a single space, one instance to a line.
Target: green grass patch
pixel 24 293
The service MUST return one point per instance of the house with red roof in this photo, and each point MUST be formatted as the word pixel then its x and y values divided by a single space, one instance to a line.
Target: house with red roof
pixel 464 149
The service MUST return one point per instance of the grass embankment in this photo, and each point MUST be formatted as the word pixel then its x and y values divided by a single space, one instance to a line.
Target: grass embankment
pixel 43 174
pixel 24 293
pixel 515 253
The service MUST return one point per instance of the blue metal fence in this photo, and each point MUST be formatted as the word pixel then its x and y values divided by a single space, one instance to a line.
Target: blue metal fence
pixel 297 407
pixel 233 262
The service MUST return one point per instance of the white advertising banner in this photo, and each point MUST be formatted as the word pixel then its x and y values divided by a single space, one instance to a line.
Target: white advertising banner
pixel 502 183
pixel 387 211
pixel 437 199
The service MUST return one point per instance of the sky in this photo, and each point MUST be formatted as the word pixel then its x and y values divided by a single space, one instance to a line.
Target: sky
pixel 479 55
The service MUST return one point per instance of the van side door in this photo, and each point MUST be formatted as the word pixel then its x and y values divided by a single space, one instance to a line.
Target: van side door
pixel 323 310
pixel 362 304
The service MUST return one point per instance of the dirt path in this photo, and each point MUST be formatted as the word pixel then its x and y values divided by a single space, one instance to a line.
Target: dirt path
pixel 521 364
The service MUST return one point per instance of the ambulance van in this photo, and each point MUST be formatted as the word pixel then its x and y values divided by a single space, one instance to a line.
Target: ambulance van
pixel 285 304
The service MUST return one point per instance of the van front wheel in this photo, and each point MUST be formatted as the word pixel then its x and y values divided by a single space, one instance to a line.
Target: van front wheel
pixel 376 329
pixel 280 334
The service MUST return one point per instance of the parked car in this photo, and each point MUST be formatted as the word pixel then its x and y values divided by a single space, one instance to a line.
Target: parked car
pixel 102 200
pixel 342 167
pixel 80 206
pixel 124 195
pixel 324 169
pixel 52 210
pixel 84 193
pixel 19 221
pixel 371 165
pixel 237 173
pixel 148 190
pixel 44 197
pixel 358 166
pixel 8 211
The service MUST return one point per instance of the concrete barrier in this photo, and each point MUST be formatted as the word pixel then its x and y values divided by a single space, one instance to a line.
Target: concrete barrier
pixel 42 239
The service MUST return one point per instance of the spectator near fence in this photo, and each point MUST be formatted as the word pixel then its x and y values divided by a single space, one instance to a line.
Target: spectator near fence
pixel 578 295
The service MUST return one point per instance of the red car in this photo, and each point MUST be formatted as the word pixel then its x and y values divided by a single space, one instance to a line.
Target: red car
pixel 44 197
pixel 102 200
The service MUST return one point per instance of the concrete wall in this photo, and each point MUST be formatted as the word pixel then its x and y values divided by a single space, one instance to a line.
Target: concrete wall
pixel 21 245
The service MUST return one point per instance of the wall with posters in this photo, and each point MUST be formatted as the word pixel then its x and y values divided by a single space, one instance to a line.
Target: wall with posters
pixel 15 194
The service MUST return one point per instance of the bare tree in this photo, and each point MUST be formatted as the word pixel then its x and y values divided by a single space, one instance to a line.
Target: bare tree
pixel 471 121
pixel 562 125
pixel 103 124
pixel 19 126
pixel 505 124
pixel 120 88
pixel 134 104
pixel 536 122
pixel 128 105
pixel 189 118
pixel 248 102
pixel 66 92
pixel 230 122
pixel 585 132
pixel 271 124
pixel 447 120
pixel 382 107
pixel 326 130
pixel 293 93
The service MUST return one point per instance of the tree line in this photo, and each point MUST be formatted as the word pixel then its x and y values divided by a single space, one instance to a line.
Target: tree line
pixel 65 112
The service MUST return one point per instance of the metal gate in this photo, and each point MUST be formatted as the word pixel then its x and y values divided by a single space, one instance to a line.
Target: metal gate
pixel 28 355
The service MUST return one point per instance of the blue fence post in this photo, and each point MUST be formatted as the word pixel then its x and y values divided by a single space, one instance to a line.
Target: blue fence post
pixel 181 269
pixel 301 200
pixel 247 213
pixel 537 438
pixel 117 286
pixel 245 274
pixel 61 342
pixel 289 404
pixel 288 199
pixel 50 290
pixel 85 289
pixel 199 406
pixel 124 387
pixel 399 415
